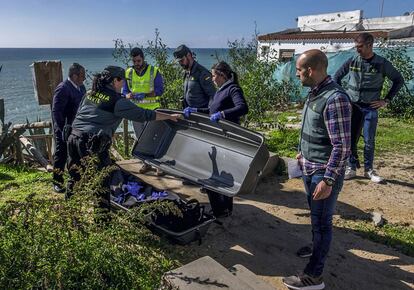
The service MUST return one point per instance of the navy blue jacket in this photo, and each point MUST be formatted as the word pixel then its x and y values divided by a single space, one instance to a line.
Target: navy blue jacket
pixel 66 102
pixel 230 100
pixel 199 88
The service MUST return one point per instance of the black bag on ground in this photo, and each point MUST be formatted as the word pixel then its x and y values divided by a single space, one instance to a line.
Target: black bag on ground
pixel 221 205
pixel 192 215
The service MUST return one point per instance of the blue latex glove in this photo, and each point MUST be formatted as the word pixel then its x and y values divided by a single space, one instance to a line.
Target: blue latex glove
pixel 187 111
pixel 132 187
pixel 138 97
pixel 158 195
pixel 215 117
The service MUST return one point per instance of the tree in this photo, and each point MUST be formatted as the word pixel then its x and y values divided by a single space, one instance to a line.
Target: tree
pixel 256 76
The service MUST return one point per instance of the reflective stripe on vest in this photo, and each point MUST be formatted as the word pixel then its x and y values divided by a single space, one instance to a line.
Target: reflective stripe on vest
pixel 366 79
pixel 143 84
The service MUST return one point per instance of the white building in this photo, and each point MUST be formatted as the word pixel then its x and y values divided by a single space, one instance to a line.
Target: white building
pixel 334 32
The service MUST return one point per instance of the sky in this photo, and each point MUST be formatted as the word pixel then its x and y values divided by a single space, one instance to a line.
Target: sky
pixel 199 24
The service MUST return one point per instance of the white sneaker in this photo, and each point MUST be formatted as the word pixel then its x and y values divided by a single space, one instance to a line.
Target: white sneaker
pixel 349 173
pixel 371 174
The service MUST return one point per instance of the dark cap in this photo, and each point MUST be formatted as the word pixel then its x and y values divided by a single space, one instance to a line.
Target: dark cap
pixel 115 71
pixel 181 51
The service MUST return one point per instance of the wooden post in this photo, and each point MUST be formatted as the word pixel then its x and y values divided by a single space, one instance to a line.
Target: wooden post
pixel 36 154
pixel 126 137
pixel 19 152
pixel 2 111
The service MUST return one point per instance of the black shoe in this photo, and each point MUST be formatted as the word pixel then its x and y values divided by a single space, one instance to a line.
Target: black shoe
pixel 304 252
pixel 58 188
pixel 223 214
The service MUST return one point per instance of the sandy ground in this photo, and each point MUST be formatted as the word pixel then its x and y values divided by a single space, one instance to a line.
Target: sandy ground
pixel 268 226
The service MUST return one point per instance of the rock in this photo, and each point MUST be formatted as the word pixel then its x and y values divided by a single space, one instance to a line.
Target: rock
pixel 377 219
pixel 271 165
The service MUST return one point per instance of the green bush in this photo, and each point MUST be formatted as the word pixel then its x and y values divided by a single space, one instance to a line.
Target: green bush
pixel 283 142
pixel 403 103
pixel 256 75
pixel 51 243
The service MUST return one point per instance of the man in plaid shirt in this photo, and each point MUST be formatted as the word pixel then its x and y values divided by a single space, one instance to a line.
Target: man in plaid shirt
pixel 323 151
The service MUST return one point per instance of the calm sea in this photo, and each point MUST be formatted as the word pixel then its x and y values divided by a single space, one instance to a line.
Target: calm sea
pixel 16 86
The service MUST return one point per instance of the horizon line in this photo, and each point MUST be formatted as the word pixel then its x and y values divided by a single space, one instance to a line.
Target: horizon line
pixel 99 47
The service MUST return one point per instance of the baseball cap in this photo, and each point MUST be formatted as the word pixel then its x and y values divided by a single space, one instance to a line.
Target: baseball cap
pixel 115 71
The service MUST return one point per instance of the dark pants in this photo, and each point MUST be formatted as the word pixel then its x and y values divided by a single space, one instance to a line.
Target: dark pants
pixel 321 218
pixel 77 150
pixel 366 119
pixel 59 158
pixel 356 128
pixel 221 205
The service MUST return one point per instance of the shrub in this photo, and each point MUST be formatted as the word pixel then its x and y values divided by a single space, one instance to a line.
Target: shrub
pixel 52 243
pixel 403 104
pixel 263 92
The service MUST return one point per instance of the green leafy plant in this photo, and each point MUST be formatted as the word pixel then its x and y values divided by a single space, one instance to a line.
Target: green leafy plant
pixel 403 104
pixel 50 243
pixel 283 142
pixel 263 92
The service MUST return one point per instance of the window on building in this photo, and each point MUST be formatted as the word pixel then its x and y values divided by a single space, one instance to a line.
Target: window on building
pixel 286 54
pixel 265 50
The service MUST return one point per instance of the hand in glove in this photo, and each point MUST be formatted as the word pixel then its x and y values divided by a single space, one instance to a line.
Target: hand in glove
pixel 216 116
pixel 187 111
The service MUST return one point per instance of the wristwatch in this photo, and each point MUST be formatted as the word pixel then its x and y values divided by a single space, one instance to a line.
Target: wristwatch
pixel 328 181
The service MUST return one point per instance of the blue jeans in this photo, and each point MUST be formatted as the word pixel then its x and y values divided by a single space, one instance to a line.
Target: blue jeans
pixel 321 218
pixel 367 120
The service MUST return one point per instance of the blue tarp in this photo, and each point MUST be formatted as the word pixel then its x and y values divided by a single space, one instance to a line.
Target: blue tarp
pixel 287 71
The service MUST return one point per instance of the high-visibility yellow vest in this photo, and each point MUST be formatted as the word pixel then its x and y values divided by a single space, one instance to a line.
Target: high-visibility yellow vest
pixel 143 84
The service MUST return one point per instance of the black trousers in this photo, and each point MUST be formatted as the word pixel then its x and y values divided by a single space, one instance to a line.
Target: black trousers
pixel 59 158
pixel 77 150
pixel 221 205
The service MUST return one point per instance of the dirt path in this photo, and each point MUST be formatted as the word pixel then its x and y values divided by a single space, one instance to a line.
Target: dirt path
pixel 267 228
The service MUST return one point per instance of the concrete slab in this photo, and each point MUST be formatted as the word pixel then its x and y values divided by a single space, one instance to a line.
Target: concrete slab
pixel 203 274
pixel 250 278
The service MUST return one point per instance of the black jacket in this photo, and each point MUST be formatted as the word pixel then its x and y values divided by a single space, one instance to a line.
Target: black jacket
pixel 199 88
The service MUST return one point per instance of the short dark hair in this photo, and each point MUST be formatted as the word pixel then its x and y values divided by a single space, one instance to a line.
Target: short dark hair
pixel 75 69
pixel 136 51
pixel 181 51
pixel 365 37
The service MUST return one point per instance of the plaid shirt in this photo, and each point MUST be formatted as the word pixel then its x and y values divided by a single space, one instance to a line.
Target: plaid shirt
pixel 337 116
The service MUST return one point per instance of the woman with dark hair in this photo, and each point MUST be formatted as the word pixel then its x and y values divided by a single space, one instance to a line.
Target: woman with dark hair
pixel 228 103
pixel 97 119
